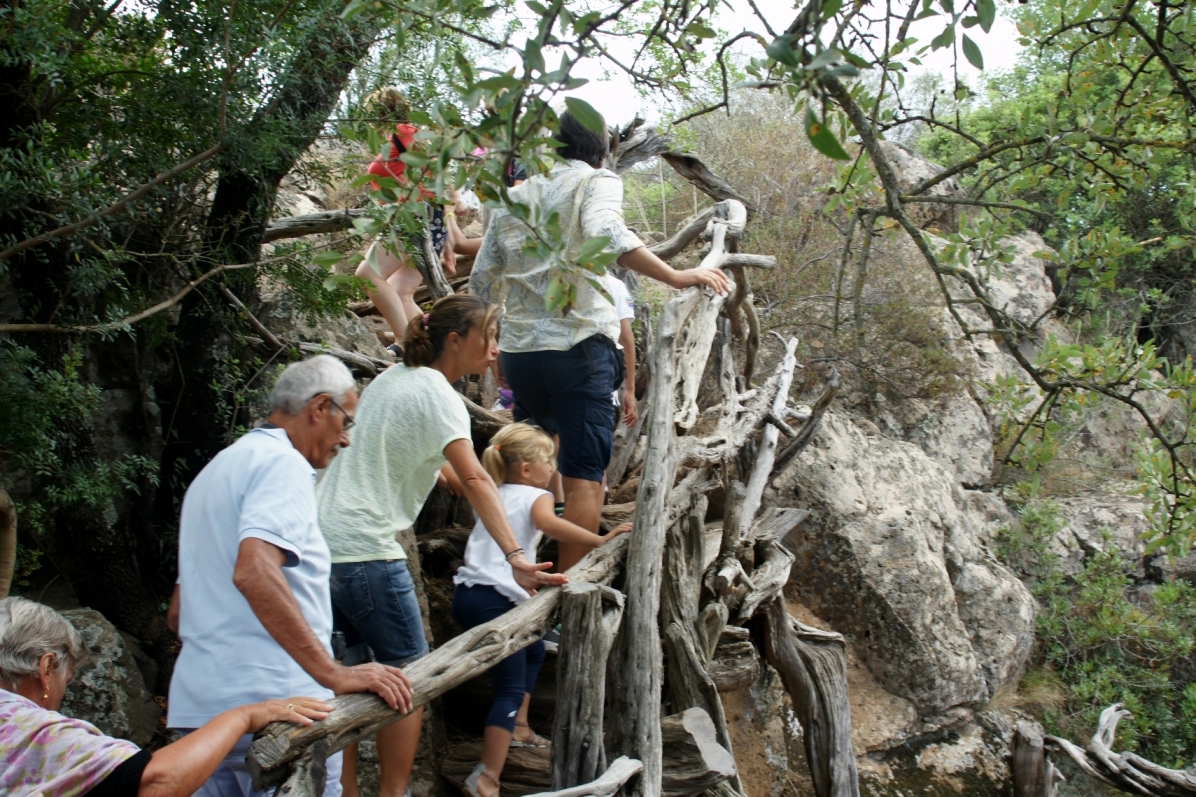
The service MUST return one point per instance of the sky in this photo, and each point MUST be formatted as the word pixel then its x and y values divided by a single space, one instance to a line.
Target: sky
pixel 618 100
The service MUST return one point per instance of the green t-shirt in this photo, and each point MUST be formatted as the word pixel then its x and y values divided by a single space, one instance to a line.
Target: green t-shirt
pixel 376 487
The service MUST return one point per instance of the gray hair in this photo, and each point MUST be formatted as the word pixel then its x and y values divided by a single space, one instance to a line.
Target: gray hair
pixel 302 381
pixel 29 631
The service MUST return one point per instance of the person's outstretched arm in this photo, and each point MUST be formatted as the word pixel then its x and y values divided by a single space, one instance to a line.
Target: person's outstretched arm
pixel 181 768
pixel 644 262
pixel 487 503
pixel 258 575
pixel 627 341
pixel 545 519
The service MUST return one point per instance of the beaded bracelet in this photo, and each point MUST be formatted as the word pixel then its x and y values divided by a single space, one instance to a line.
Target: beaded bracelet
pixel 513 553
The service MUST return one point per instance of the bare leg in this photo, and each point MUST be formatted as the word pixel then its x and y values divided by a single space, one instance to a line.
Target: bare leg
pixel 384 296
pixel 396 753
pixel 555 486
pixel 583 506
pixel 349 772
pixel 406 282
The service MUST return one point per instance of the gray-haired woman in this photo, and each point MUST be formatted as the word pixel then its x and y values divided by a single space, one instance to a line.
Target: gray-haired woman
pixel 44 753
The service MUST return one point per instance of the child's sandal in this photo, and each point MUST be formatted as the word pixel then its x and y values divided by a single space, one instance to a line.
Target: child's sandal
pixel 470 787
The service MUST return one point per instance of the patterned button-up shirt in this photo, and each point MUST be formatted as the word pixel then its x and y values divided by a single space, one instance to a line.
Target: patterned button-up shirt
pixel 590 203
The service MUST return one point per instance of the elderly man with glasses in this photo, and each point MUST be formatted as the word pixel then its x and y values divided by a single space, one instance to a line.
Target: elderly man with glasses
pixel 252 605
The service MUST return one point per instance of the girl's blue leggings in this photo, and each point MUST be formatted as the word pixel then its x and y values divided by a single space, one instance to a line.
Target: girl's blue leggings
pixel 514 676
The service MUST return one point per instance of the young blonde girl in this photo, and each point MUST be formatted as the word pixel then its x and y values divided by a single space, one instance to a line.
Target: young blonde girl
pixel 520 461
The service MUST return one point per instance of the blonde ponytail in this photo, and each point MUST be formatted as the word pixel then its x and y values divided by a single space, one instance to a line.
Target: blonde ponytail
pixel 514 444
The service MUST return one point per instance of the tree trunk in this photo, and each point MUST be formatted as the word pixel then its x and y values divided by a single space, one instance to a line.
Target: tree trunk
pixel 590 617
pixel 8 542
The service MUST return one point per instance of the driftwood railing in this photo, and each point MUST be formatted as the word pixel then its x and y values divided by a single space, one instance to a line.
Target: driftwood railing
pixel 1034 775
pixel 709 600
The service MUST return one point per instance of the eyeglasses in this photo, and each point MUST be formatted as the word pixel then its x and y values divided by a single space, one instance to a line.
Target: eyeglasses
pixel 349 422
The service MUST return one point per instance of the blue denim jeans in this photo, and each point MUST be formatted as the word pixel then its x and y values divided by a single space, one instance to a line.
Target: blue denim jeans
pixel 374 604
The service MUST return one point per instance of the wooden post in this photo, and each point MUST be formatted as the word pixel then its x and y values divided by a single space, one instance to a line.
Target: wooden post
pixel 635 727
pixel 8 542
pixel 815 676
pixel 590 617
pixel 1033 773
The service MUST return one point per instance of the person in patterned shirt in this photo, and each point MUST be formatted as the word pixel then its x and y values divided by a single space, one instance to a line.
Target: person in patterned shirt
pixel 563 367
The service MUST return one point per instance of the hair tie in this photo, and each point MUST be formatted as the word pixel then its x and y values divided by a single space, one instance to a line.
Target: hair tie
pixel 498 448
pixel 426 320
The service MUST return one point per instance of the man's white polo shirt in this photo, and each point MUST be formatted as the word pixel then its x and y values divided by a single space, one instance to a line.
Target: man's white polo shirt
pixel 259 487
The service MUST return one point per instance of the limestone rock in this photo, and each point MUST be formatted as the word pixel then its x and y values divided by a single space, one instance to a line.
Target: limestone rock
pixel 890 557
pixel 108 690
pixel 345 331
pixel 912 169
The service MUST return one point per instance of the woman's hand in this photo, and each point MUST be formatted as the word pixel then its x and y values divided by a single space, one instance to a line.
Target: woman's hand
pixel 532 576
pixel 299 710
pixel 630 409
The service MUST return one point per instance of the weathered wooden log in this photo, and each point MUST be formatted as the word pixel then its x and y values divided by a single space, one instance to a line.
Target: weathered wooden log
pixel 590 617
pixel 626 438
pixel 726 570
pixel 768 579
pixel 686 638
pixel 699 175
pixel 634 729
pixel 814 674
pixel 807 432
pixel 1125 771
pixel 693 759
pixel 735 665
pixel 766 453
pixel 621 770
pixel 363 363
pixel 8 542
pixel 312 224
pixel 689 231
pixel 428 263
pixel 473 652
pixel 1033 773
pixel 483 423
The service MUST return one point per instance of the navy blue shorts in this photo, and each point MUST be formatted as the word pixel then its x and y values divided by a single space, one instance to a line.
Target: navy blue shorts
pixel 569 393
pixel 374 604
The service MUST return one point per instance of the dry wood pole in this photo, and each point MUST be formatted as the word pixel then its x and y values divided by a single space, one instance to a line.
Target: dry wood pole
pixel 8 542
pixel 590 617
pixel 360 715
pixel 1035 776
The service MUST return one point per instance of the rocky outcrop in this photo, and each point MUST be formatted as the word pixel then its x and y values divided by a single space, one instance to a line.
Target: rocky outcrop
pixel 893 555
pixel 912 169
pixel 108 691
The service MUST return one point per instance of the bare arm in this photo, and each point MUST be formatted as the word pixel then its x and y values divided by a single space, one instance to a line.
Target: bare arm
pixel 461 245
pixel 181 768
pixel 644 262
pixel 487 503
pixel 172 614
pixel 627 341
pixel 258 575
pixel 545 519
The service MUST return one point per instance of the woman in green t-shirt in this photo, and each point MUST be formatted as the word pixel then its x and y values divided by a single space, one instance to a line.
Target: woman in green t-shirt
pixel 412 431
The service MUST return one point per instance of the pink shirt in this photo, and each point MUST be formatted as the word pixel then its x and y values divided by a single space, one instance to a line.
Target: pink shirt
pixel 44 753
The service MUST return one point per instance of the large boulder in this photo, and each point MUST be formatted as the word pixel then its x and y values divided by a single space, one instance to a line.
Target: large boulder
pixel 108 691
pixel 911 170
pixel 893 556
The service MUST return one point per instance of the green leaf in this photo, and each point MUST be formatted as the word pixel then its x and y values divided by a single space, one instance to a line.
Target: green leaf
pixel 327 259
pixel 823 139
pixel 583 112
pixel 972 52
pixel 533 58
pixel 700 30
pixel 537 7
pixel 987 11
pixel 781 50
pixel 830 8
pixel 592 247
pixel 368 226
pixel 944 39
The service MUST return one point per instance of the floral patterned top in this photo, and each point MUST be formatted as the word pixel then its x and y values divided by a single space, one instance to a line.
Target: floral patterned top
pixel 44 753
pixel 589 202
